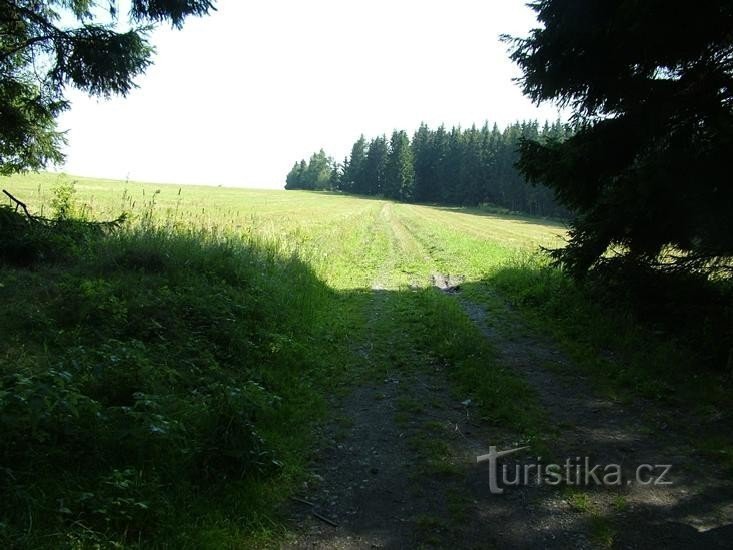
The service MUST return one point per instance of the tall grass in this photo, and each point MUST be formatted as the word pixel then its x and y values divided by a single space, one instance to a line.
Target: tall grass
pixel 143 368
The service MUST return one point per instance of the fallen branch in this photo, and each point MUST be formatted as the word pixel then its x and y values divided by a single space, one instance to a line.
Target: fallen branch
pixel 21 204
pixel 302 501
pixel 107 224
pixel 314 512
pixel 324 518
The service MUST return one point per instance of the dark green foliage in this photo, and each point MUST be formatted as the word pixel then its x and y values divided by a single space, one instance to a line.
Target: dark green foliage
pixel 648 170
pixel 686 305
pixel 143 364
pixel 399 174
pixel 318 173
pixel 296 176
pixel 375 166
pixel 16 242
pixel 353 172
pixel 458 167
pixel 336 175
pixel 26 239
pixel 638 331
pixel 24 242
pixel 50 44
pixel 425 161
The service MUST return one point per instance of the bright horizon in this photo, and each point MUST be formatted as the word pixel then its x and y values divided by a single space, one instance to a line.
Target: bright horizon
pixel 237 97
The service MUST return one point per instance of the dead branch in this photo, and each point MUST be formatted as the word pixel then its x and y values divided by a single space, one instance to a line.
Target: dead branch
pixel 98 225
pixel 324 518
pixel 21 204
pixel 302 501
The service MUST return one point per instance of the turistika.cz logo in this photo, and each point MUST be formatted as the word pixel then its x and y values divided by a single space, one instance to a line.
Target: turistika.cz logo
pixel 577 471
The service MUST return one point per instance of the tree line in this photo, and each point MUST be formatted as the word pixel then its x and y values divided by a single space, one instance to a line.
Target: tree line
pixel 466 167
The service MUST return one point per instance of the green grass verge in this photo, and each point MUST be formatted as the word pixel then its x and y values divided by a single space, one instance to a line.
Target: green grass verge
pixel 624 357
pixel 156 387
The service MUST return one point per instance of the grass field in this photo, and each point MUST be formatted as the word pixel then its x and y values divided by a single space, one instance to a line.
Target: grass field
pixel 279 212
pixel 299 297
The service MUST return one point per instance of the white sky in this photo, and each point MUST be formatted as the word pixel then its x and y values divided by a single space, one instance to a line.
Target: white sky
pixel 235 98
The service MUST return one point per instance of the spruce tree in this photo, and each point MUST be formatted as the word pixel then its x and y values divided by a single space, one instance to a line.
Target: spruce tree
pixel 423 163
pixel 49 45
pixel 399 170
pixel 353 177
pixel 293 179
pixel 374 168
pixel 651 88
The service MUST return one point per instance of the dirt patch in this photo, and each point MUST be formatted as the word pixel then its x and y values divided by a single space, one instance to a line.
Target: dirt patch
pixel 358 479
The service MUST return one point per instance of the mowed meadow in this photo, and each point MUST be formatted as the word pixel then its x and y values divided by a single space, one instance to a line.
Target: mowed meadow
pixel 161 383
pixel 319 226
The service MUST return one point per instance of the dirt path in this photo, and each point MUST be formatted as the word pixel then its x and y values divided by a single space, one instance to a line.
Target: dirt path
pixel 397 466
pixel 692 506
